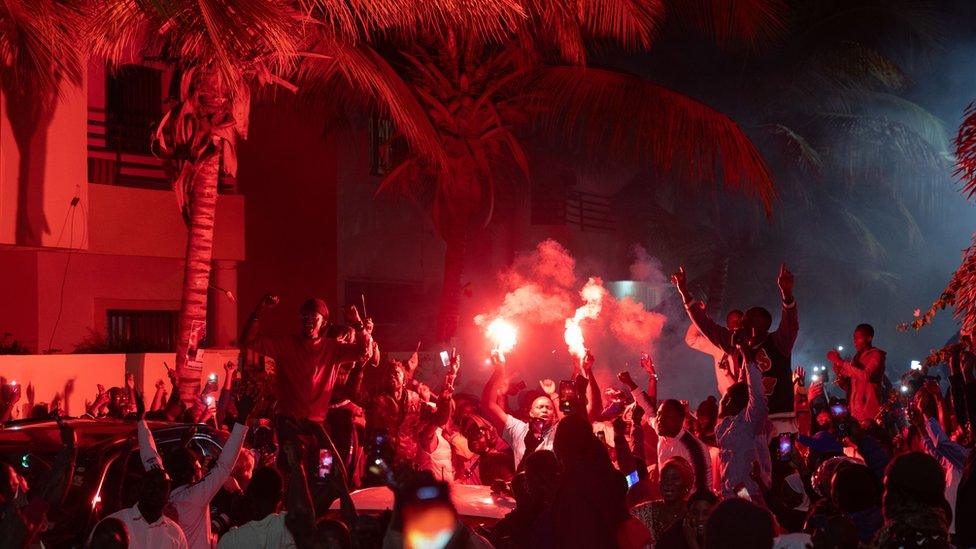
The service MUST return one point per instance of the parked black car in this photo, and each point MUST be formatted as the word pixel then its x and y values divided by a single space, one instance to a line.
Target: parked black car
pixel 108 468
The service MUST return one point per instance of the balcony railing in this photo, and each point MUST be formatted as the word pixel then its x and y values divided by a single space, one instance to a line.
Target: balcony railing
pixel 118 154
pixel 589 211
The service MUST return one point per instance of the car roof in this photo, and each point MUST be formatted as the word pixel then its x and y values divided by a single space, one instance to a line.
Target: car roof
pixel 469 500
pixel 43 435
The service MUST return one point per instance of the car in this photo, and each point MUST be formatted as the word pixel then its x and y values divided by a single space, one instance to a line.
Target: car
pixel 107 470
pixel 475 504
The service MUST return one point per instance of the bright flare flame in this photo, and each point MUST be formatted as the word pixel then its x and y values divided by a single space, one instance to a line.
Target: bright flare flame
pixel 503 335
pixel 593 294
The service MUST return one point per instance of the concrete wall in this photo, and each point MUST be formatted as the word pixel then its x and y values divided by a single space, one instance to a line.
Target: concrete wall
pixel 35 196
pixel 49 373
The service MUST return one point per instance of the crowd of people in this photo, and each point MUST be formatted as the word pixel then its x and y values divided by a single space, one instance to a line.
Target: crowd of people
pixel 775 461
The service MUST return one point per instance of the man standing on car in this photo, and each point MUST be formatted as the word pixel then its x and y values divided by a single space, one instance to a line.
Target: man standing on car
pixel 306 365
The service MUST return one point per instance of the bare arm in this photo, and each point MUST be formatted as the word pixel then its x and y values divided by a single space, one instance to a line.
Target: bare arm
pixel 252 327
pixel 489 396
pixel 789 325
pixel 594 398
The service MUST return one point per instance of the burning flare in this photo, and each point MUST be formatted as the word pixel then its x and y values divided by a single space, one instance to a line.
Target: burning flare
pixel 593 294
pixel 503 335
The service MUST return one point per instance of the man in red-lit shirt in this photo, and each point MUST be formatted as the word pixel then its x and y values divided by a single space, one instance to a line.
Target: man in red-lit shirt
pixel 866 371
pixel 306 364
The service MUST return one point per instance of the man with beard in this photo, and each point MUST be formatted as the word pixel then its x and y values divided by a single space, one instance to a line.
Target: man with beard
pixel 148 527
pixel 306 366
pixel 524 437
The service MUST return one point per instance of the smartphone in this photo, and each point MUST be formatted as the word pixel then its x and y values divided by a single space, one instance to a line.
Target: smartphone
pixel 325 462
pixel 632 479
pixel 212 378
pixel 838 410
pixel 567 394
pixel 445 359
pixel 744 494
pixel 785 446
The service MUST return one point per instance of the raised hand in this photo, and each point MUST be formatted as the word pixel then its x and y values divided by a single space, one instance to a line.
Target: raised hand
pixel 497 358
pixel 171 374
pixel 799 376
pixel 587 362
pixel 785 282
pixel 269 301
pixel 230 366
pixel 130 381
pixel 647 363
pixel 30 394
pixel 625 378
pixel 160 384
pixel 548 386
pixel 680 279
pixel 834 357
pixel 368 325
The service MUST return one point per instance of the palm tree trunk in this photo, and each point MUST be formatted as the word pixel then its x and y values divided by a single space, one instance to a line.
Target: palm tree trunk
pixel 447 317
pixel 196 275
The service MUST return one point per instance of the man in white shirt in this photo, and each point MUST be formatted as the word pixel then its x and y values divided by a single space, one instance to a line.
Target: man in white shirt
pixel 668 420
pixel 269 529
pixel 194 490
pixel 148 527
pixel 521 436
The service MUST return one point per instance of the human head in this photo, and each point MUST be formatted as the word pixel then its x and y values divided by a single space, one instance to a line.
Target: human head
pixel 863 337
pixel 670 418
pixel 315 313
pixel 854 488
pixel 677 479
pixel 733 320
pixel 153 494
pixel 183 466
pixel 700 506
pixel 243 468
pixel 331 534
pixel 738 523
pixel 110 533
pixel 264 491
pixel 735 400
pixel 480 434
pixel 574 440
pixel 913 482
pixel 543 409
pixel 758 319
pixel 707 414
pixel 395 377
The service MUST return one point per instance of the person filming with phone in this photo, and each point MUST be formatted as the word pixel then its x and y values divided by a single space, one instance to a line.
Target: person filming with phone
pixel 865 372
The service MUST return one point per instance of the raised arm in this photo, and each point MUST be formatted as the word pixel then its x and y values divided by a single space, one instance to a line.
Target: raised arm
pixel 594 398
pixel 789 324
pixel 216 477
pixel 147 447
pixel 251 336
pixel 361 349
pixel 757 410
pixel 719 336
pixel 489 396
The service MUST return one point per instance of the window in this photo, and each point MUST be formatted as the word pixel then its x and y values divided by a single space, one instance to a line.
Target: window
pixel 386 148
pixel 404 311
pixel 133 107
pixel 142 331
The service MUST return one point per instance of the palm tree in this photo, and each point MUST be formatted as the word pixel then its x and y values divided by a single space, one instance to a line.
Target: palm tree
pixel 222 52
pixel 485 100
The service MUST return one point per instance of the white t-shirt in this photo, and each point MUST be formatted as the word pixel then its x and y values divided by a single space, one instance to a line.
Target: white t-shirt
pixel 269 533
pixel 162 534
pixel 514 434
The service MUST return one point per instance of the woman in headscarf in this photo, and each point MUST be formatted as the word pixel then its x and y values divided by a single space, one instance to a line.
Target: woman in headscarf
pixel 677 480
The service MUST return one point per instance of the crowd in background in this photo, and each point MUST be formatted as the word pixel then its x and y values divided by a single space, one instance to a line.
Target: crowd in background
pixel 775 461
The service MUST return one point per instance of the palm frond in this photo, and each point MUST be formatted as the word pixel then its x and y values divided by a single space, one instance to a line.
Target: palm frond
pixel 612 116
pixel 630 23
pixel 257 37
pixel 795 148
pixel 38 46
pixel 959 293
pixel 351 70
pixel 966 151
pixel 732 22
pixel 355 20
